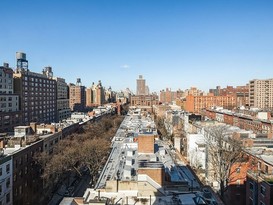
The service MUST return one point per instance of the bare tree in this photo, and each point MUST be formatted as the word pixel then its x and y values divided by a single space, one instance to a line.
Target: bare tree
pixel 93 155
pixel 161 127
pixel 223 152
pixel 86 149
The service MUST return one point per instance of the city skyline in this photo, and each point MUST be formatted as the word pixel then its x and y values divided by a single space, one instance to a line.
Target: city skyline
pixel 174 44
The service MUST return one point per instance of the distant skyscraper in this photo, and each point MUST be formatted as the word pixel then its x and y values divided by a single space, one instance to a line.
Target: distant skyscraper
pixel 141 87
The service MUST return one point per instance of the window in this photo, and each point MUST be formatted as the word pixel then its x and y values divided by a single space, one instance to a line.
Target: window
pixel 266 169
pixel 7 168
pixel 8 198
pixel 263 190
pixel 8 182
pixel 251 186
pixel 259 165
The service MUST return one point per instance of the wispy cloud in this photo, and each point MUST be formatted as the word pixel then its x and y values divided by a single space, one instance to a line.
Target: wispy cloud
pixel 125 66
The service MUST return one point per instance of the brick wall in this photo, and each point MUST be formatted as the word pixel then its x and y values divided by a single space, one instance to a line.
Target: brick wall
pixel 157 174
pixel 146 144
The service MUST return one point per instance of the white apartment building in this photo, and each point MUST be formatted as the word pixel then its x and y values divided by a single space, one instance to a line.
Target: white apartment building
pixel 261 93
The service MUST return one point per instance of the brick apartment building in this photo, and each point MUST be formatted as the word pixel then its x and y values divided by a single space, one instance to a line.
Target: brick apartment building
pixel 195 104
pixel 95 95
pixel 259 180
pixel 77 97
pixel 37 96
pixel 240 93
pixel 144 100
pixel 167 96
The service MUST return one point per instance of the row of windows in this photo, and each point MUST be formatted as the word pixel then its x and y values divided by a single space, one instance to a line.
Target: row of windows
pixel 44 93
pixel 35 110
pixel 40 85
pixel 26 78
pixel 2 105
pixel 7 98
pixel 5 92
pixel 3 74
pixel 4 86
pixel 5 80
pixel 40 103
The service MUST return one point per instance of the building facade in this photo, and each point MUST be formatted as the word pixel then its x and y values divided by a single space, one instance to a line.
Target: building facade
pixel 10 114
pixel 195 104
pixel 37 96
pixel 240 93
pixel 27 183
pixel 77 97
pixel 63 110
pixel 261 93
pixel 144 100
pixel 96 95
pixel 141 86
pixel 167 96
pixel 5 179
pixel 259 180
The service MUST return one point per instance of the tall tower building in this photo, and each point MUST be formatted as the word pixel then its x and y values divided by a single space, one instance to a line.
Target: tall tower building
pixel 77 97
pixel 261 93
pixel 141 87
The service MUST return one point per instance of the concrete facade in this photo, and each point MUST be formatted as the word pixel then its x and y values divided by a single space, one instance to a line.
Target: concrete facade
pixel 261 93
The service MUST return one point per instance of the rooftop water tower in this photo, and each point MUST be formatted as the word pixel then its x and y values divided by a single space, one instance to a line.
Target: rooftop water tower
pixel 78 83
pixel 22 63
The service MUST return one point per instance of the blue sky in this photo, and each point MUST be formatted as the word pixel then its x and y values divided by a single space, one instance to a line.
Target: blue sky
pixel 175 44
